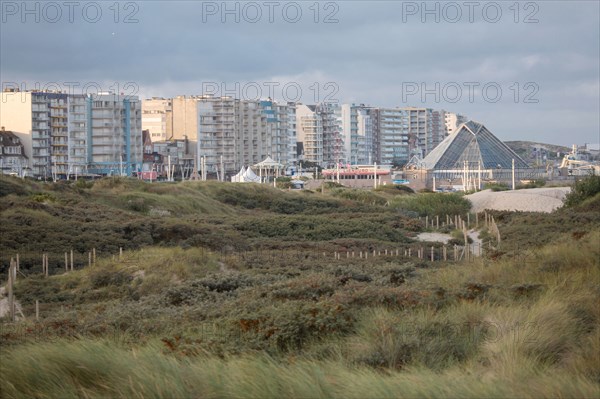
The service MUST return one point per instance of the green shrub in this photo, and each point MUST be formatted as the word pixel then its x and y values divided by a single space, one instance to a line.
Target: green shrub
pixel 533 184
pixel 583 189
pixel 496 186
pixel 433 204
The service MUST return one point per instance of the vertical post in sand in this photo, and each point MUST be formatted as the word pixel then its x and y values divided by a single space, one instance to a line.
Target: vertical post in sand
pixel 11 298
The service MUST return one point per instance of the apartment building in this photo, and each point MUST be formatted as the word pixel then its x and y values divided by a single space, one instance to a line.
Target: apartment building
pixel 114 142
pixel 309 130
pixel 391 135
pixel 333 138
pixel 78 133
pixel 420 130
pixel 281 125
pixel 452 121
pixel 13 160
pixel 233 133
pixel 185 117
pixel 357 131
pixel 157 118
pixel 36 116
pixel 66 134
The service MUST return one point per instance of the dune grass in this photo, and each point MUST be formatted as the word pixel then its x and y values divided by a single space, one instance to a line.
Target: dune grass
pixel 188 312
pixel 99 370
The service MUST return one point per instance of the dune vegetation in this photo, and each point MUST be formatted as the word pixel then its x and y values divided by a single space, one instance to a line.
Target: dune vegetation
pixel 227 290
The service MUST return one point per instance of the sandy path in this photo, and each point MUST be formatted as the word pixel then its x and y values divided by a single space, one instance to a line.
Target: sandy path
pixel 444 238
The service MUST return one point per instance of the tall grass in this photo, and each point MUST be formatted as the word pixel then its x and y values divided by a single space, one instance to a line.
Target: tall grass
pixel 100 369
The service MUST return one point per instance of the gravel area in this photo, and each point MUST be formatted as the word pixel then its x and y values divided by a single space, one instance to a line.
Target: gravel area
pixel 528 200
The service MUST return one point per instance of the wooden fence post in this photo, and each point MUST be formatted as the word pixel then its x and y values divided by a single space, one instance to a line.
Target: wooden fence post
pixel 11 298
pixel 89 259
pixel 445 257
pixel 66 262
pixel 37 309
pixel 432 253
pixel 94 256
pixel 71 260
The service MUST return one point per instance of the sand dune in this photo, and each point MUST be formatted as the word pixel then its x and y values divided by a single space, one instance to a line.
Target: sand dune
pixel 528 200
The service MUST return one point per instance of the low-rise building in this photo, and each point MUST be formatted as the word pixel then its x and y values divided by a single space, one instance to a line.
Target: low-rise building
pixel 13 160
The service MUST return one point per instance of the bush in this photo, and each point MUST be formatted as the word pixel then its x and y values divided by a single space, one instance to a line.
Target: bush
pixel 496 186
pixel 433 204
pixel 533 184
pixel 582 190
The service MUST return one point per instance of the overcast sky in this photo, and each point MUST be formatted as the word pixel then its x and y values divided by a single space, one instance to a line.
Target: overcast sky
pixel 528 71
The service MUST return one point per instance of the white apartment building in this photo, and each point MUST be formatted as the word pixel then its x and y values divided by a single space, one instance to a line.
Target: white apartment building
pixel 452 121
pixel 114 142
pixel 309 129
pixel 157 118
pixel 281 125
pixel 357 131
pixel 234 133
pixel 391 135
pixel 333 138
pixel 78 133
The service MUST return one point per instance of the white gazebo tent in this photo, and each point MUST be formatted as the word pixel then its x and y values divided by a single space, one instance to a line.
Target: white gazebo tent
pixel 237 178
pixel 245 176
pixel 268 165
pixel 250 177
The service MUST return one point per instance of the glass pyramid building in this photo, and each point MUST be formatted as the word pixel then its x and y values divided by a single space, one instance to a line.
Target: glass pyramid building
pixel 476 145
